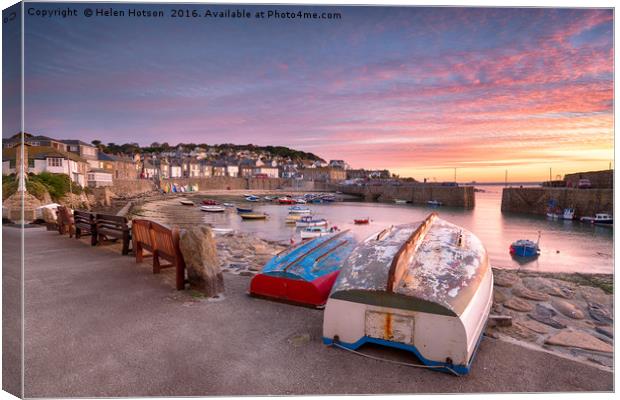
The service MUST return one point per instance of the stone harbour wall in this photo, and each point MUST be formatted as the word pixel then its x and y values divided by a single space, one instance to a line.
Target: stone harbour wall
pixel 535 200
pixel 598 179
pixel 451 196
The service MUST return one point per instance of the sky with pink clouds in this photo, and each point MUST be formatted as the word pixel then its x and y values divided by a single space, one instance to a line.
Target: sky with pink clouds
pixel 419 91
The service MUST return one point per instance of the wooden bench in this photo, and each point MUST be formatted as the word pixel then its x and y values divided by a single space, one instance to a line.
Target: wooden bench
pixel 113 227
pixel 85 225
pixel 141 237
pixel 163 244
pixel 64 218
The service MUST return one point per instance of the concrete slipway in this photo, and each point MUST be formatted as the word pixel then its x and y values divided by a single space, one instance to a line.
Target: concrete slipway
pixel 97 324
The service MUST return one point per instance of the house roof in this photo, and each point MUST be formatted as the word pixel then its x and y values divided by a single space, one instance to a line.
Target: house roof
pixel 41 153
pixel 75 141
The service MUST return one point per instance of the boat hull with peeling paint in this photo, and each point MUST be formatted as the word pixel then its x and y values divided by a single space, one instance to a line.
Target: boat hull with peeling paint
pixel 425 287
pixel 304 274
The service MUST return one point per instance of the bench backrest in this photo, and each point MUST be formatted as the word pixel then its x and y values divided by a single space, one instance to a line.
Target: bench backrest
pixel 83 217
pixel 166 240
pixel 111 222
pixel 141 232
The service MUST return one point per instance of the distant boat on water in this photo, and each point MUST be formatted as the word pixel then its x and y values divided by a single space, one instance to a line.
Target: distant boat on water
pixel 400 201
pixel 525 248
pixel 599 219
pixel 434 203
pixel 213 209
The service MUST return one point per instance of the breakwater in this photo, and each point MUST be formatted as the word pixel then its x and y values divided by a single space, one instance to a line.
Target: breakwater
pixel 535 200
pixel 451 196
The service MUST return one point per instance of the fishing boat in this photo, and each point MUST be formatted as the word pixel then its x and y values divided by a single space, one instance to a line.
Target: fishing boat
pixel 286 200
pixel 210 202
pixel 242 210
pixel 309 220
pixel 300 201
pixel 292 219
pixel 304 274
pixel 187 202
pixel 228 204
pixel 313 231
pixel 525 248
pixel 569 214
pixel 213 209
pixel 400 201
pixel 299 210
pixel 251 216
pixel 361 221
pixel 252 198
pixel 599 219
pixel 434 203
pixel 424 287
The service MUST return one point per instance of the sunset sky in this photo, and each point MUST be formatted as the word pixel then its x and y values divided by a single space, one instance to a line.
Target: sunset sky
pixel 419 91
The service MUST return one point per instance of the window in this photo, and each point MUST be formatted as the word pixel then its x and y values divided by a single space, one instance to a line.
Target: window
pixel 54 162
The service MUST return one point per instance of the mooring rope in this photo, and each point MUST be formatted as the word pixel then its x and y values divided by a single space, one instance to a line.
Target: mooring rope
pixel 334 343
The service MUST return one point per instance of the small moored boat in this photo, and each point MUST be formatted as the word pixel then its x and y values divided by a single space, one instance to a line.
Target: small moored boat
pixel 228 204
pixel 299 210
pixel 434 203
pixel 400 201
pixel 292 219
pixel 242 210
pixel 424 287
pixel 309 220
pixel 187 202
pixel 213 209
pixel 286 200
pixel 599 219
pixel 252 198
pixel 210 202
pixel 304 274
pixel 569 214
pixel 313 232
pixel 525 248
pixel 251 216
pixel 361 221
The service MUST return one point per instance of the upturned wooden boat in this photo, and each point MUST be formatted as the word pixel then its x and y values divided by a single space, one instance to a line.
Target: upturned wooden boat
pixel 425 287
pixel 252 215
pixel 304 274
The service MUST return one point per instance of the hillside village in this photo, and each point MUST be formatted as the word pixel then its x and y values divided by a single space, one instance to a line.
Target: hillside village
pixel 97 165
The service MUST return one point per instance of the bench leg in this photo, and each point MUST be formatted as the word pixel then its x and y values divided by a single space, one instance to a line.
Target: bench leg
pixel 180 270
pixel 156 265
pixel 137 249
pixel 93 236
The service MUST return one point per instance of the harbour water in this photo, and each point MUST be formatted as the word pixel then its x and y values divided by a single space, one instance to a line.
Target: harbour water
pixel 566 246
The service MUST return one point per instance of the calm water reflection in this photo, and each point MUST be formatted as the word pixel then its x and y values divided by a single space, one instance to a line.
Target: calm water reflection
pixel 567 246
